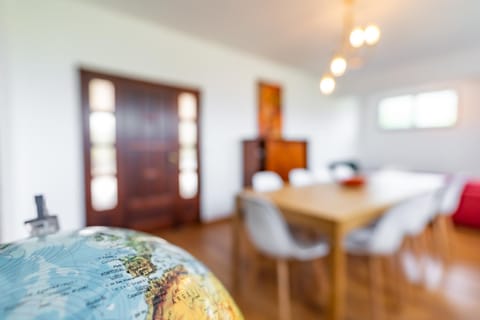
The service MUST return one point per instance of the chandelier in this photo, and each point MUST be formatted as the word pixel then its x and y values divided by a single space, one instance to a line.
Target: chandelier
pixel 354 38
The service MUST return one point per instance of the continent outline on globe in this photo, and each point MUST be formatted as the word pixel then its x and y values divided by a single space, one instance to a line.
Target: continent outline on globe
pixel 110 271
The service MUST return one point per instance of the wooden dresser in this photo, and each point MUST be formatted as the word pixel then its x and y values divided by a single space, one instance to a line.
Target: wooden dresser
pixel 276 155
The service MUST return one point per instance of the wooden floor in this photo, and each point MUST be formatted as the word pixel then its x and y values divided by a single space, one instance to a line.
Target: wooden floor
pixel 451 294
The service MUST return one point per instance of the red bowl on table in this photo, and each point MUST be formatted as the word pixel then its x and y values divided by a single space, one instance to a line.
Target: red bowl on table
pixel 355 181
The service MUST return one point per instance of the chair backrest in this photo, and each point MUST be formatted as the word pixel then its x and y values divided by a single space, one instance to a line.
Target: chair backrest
pixel 406 218
pixel 265 181
pixel 322 175
pixel 301 177
pixel 452 194
pixel 266 227
pixel 388 232
pixel 418 212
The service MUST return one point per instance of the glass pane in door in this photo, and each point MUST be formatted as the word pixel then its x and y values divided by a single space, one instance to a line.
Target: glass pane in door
pixel 187 106
pixel 102 128
pixel 188 183
pixel 104 192
pixel 101 95
pixel 103 160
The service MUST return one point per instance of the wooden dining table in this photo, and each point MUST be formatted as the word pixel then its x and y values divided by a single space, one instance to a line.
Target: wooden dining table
pixel 336 210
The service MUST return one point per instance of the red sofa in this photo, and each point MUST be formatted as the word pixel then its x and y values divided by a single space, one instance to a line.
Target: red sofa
pixel 468 212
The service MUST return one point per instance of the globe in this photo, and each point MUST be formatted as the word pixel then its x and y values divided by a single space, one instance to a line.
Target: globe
pixel 107 273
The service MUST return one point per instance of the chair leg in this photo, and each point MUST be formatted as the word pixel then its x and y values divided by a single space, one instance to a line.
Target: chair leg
pixel 436 238
pixel 321 275
pixel 253 268
pixel 424 254
pixel 418 245
pixel 450 239
pixel 283 290
pixel 375 274
pixel 397 281
pixel 443 229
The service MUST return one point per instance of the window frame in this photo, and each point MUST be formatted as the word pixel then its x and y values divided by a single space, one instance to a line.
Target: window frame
pixel 414 94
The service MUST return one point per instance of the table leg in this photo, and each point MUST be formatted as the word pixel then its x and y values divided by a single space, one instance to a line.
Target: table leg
pixel 338 275
pixel 236 221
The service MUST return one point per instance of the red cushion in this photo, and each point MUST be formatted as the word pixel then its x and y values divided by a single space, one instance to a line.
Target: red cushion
pixel 468 212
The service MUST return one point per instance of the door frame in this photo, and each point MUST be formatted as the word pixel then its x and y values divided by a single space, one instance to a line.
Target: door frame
pixel 116 216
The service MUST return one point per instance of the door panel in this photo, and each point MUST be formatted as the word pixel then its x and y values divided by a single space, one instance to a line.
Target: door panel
pixel 148 145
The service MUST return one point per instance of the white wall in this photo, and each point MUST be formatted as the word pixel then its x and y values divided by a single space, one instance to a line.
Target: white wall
pixel 434 70
pixel 3 111
pixel 48 41
pixel 449 150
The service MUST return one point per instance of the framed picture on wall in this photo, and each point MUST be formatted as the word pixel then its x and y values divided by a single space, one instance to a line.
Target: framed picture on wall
pixel 269 110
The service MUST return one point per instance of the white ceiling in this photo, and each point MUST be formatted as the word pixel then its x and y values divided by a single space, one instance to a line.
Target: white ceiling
pixel 305 33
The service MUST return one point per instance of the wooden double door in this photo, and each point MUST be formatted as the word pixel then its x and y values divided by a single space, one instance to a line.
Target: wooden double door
pixel 141 152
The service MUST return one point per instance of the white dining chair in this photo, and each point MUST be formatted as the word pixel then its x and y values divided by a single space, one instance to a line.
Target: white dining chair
pixel 268 181
pixel 322 175
pixel 269 233
pixel 452 194
pixel 384 237
pixel 383 240
pixel 420 213
pixel 379 243
pixel 300 177
pixel 304 177
pixel 265 181
pixel 443 225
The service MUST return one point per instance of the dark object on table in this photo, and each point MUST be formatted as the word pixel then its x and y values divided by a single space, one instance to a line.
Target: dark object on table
pixel 349 163
pixel 44 223
pixel 344 170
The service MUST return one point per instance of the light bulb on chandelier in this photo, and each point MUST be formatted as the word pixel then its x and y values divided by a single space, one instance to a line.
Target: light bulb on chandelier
pixel 357 37
pixel 371 34
pixel 338 66
pixel 327 84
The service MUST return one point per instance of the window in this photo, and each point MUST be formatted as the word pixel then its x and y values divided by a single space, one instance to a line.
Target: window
pixel 436 109
pixel 188 139
pixel 103 156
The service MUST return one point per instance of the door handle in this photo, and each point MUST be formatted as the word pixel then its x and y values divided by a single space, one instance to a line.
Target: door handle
pixel 173 157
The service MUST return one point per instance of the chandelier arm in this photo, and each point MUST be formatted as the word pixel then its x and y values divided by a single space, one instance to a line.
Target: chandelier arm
pixel 352 39
pixel 348 23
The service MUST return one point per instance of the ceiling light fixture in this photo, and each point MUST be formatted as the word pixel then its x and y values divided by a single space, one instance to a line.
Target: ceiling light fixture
pixel 338 66
pixel 354 38
pixel 357 37
pixel 372 34
pixel 327 84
